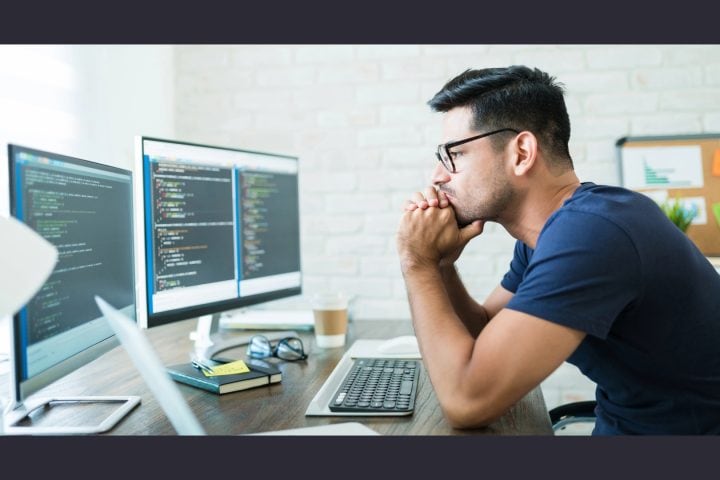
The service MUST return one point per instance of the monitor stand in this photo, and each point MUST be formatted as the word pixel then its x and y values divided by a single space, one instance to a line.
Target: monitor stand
pixel 15 415
pixel 208 342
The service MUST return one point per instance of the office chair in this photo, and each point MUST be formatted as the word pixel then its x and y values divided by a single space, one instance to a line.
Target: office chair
pixel 569 413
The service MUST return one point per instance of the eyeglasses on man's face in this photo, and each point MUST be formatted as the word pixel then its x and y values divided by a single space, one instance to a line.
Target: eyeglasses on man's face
pixel 288 348
pixel 443 150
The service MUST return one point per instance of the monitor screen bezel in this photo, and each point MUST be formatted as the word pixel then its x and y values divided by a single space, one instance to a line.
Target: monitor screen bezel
pixel 149 320
pixel 22 389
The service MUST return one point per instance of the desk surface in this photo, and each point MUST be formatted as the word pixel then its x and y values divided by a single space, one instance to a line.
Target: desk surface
pixel 278 406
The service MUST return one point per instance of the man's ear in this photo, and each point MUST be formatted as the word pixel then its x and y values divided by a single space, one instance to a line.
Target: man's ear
pixel 525 149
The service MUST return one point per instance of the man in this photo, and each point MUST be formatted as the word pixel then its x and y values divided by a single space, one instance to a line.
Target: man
pixel 600 277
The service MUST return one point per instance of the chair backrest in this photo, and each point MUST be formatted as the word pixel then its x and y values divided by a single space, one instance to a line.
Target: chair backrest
pixel 571 413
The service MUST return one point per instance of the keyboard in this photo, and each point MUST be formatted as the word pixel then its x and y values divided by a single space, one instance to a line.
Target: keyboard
pixel 379 385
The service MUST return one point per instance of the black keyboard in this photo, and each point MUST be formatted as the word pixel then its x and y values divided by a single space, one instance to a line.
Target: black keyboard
pixel 378 385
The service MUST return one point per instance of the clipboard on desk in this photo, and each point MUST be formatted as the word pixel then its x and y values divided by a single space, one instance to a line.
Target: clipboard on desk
pixel 360 349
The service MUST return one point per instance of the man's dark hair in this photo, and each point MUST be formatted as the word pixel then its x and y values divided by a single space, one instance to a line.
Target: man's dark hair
pixel 513 97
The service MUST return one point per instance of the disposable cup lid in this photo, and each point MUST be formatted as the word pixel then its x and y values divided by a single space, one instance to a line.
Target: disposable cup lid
pixel 329 300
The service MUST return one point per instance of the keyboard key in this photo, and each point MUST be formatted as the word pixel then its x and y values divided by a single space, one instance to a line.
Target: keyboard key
pixel 406 387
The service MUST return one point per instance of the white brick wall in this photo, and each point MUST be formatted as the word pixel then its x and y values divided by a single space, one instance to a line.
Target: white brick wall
pixel 357 118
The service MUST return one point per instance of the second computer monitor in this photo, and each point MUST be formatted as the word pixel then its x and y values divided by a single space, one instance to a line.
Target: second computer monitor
pixel 220 226
pixel 84 209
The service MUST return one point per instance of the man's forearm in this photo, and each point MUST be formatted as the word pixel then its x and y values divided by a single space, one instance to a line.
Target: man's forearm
pixel 470 312
pixel 437 326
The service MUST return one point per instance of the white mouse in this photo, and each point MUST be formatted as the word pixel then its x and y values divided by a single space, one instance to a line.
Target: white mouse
pixel 405 344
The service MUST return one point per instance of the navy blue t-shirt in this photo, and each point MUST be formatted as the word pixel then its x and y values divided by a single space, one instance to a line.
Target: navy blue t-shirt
pixel 610 264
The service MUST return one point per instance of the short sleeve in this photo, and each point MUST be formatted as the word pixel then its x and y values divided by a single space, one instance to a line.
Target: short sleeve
pixel 518 264
pixel 584 272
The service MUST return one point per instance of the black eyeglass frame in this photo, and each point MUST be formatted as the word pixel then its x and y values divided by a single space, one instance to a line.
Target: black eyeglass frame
pixel 447 161
pixel 302 355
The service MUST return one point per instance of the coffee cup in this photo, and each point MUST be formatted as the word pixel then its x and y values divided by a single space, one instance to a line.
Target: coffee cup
pixel 331 318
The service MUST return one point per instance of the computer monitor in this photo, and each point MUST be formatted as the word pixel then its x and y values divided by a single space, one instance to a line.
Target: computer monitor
pixel 85 210
pixel 221 229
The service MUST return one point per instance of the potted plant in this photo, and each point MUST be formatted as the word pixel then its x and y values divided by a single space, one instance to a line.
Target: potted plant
pixel 679 214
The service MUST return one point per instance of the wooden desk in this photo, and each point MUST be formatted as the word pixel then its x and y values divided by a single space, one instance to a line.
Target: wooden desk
pixel 279 406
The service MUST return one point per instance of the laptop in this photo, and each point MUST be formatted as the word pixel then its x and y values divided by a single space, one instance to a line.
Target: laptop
pixel 168 394
pixel 152 371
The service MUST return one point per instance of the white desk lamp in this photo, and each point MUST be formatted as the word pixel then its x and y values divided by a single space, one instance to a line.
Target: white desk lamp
pixel 26 261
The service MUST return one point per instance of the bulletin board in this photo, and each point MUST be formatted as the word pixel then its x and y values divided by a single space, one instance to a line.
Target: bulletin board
pixel 683 166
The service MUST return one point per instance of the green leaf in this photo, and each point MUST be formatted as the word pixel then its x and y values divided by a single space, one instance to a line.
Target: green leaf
pixel 678 214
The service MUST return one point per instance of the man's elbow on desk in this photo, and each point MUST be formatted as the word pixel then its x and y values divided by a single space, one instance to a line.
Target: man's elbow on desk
pixel 465 411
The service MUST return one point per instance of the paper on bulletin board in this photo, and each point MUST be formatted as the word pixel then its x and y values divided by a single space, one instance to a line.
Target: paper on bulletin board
pixel 699 202
pixel 658 196
pixel 662 167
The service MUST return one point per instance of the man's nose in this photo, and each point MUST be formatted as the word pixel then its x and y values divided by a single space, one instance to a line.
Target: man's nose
pixel 440 175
